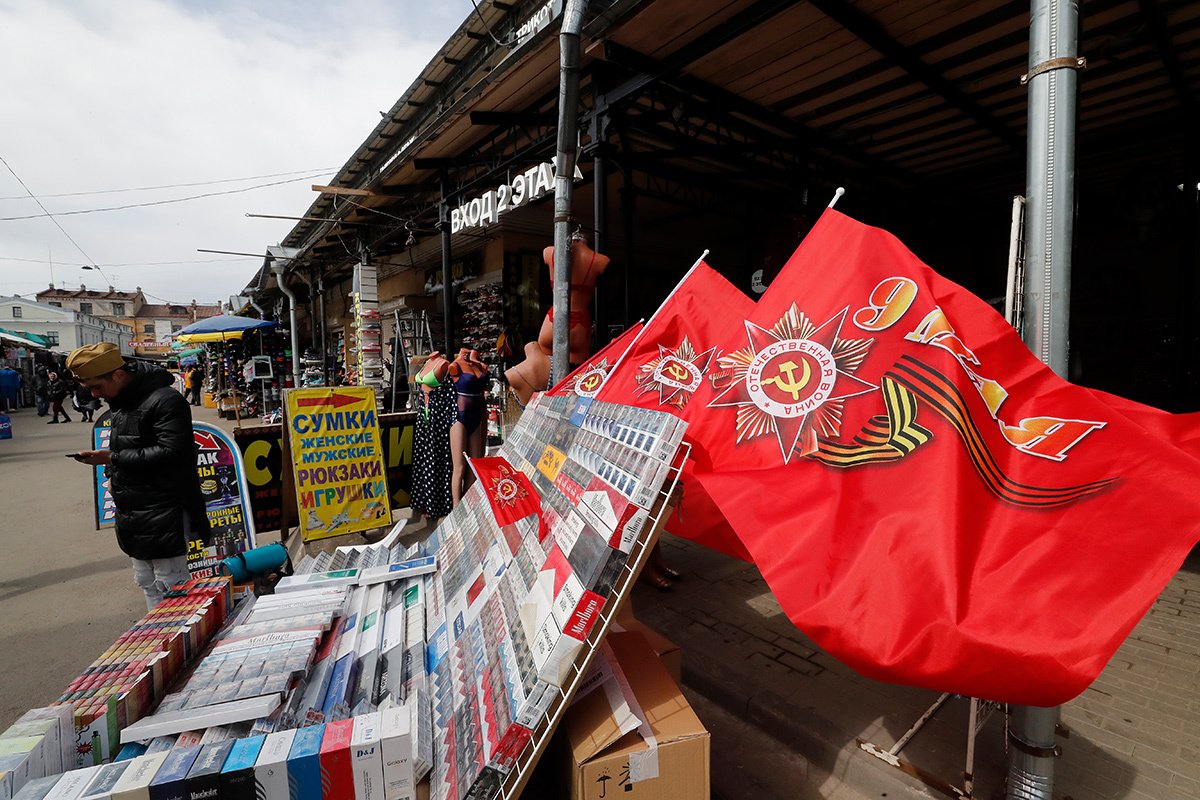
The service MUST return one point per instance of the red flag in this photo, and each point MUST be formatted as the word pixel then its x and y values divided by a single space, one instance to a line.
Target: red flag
pixel 509 491
pixel 666 366
pixel 587 378
pixel 928 501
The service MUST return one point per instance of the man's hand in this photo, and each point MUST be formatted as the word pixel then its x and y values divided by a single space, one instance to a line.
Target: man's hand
pixel 96 458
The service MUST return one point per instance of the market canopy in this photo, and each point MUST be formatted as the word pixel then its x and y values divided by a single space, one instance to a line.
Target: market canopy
pixel 221 328
pixel 23 339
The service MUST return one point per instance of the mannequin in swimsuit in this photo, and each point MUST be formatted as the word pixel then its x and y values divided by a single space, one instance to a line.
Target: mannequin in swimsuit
pixel 533 374
pixel 468 434
pixel 431 375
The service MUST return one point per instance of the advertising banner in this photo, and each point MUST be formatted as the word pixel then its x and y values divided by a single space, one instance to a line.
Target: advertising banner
pixel 337 460
pixel 105 508
pixel 226 500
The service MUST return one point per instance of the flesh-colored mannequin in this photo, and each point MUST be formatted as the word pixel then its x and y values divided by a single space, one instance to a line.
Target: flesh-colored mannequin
pixel 464 444
pixel 533 374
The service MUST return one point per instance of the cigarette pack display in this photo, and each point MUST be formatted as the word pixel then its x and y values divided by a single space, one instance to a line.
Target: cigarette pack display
pixel 199 718
pixel 102 785
pixel 64 717
pixel 391 572
pixel 298 583
pixel 396 742
pixel 170 782
pixel 304 764
pixel 366 750
pixel 46 730
pixel 204 778
pixel 337 774
pixel 237 775
pixel 270 769
pixel 36 789
pixel 134 783
pixel 71 784
pixel 317 687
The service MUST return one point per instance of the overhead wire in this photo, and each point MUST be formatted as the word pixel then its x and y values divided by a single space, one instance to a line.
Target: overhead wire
pixel 156 202
pixel 48 214
pixel 320 171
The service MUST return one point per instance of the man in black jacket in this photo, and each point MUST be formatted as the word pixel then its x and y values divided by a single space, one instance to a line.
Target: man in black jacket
pixel 151 464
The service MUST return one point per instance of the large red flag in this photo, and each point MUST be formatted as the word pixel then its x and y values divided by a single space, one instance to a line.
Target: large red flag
pixel 928 501
pixel 666 366
pixel 509 491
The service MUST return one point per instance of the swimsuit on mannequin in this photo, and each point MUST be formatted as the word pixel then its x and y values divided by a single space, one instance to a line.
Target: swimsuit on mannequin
pixel 432 464
pixel 468 434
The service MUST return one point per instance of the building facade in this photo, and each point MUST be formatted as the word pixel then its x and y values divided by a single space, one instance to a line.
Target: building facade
pixel 64 328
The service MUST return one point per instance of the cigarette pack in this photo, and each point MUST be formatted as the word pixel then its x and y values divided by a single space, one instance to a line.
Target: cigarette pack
pixel 396 744
pixel 204 778
pixel 363 697
pixel 337 775
pixel 134 783
pixel 237 776
pixel 36 789
pixel 391 572
pixel 45 729
pixel 102 785
pixel 71 785
pixel 64 715
pixel 421 729
pixel 22 757
pixel 304 764
pixel 366 750
pixel 170 782
pixel 270 769
pixel 299 583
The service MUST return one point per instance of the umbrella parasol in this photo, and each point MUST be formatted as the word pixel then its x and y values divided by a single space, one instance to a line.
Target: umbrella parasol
pixel 222 327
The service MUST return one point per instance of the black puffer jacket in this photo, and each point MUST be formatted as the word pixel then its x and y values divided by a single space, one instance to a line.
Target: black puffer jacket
pixel 153 470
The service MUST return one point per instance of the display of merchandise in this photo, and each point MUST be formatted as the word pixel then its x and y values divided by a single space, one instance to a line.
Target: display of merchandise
pixel 367 368
pixel 374 666
pixel 482 323
pixel 312 371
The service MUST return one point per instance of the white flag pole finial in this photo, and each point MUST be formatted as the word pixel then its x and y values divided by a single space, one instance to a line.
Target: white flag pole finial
pixel 837 196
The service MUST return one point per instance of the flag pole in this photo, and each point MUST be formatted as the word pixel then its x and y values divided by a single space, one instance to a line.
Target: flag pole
pixel 642 332
pixel 837 195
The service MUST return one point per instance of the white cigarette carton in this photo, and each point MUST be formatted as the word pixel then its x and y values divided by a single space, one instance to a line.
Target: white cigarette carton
pixel 399 782
pixel 270 770
pixel 366 757
pixel 134 783
pixel 72 783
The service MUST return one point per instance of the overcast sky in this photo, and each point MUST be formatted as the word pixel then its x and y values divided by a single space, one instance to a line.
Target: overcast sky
pixel 101 96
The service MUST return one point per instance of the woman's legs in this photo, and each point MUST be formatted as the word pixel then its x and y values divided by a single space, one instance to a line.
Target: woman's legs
pixel 458 443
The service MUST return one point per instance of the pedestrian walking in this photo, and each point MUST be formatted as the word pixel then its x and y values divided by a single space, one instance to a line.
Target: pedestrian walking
pixel 40 397
pixel 195 377
pixel 85 404
pixel 150 464
pixel 10 389
pixel 57 390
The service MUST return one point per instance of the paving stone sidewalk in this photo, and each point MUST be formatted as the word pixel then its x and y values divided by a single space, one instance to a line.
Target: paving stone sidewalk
pixel 1134 734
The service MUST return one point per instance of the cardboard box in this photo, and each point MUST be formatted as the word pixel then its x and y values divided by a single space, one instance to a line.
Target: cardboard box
pixel 667 651
pixel 603 760
pixel 397 747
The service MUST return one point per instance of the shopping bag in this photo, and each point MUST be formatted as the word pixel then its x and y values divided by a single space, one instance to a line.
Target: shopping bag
pixel 5 426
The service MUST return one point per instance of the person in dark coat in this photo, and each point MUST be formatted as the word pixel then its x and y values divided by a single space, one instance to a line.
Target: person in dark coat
pixel 58 389
pixel 151 465
pixel 41 399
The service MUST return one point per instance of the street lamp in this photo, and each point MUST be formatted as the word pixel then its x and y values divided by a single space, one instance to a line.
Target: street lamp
pixel 97 269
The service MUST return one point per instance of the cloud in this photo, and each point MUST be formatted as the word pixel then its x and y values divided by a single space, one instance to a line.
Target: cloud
pixel 103 95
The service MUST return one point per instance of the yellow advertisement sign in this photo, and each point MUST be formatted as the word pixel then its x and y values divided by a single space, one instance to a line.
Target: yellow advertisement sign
pixel 337 460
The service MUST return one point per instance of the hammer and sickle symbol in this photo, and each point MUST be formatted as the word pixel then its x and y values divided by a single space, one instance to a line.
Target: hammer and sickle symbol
pixel 791 385
pixel 676 371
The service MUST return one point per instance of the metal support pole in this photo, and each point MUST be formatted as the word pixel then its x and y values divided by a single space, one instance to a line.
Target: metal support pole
pixel 324 333
pixel 629 210
pixel 1050 211
pixel 600 244
pixel 447 282
pixel 564 173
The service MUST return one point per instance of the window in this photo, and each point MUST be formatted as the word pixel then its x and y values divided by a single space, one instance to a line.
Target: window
pixel 56 304
pixel 148 328
pixel 176 327
pixel 17 312
pixel 118 309
pixel 85 308
pixel 51 337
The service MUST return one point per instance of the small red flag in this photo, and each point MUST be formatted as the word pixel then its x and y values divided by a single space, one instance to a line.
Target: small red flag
pixel 586 379
pixel 509 491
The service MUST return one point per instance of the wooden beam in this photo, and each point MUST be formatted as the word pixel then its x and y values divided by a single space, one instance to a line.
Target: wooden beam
pixel 344 191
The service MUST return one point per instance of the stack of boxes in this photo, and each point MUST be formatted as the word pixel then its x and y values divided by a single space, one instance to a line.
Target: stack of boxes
pixel 368 330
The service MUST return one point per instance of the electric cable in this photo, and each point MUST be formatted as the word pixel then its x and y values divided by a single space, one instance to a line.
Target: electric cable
pixel 48 214
pixel 321 171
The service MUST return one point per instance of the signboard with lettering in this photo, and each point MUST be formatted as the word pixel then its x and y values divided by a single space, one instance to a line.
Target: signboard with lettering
pixel 262 453
pixel 524 188
pixel 105 508
pixel 226 500
pixel 337 460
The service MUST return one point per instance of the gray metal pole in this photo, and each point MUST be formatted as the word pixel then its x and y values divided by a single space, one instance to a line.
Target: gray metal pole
pixel 324 333
pixel 564 173
pixel 600 240
pixel 1049 222
pixel 447 283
